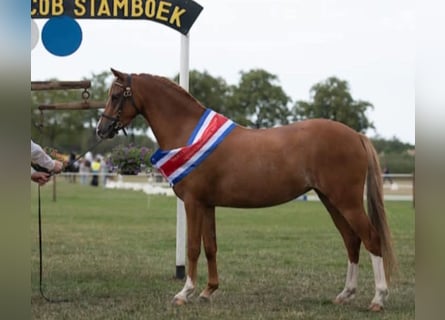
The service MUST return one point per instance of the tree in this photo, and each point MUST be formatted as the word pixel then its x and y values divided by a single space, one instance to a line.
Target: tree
pixel 258 100
pixel 331 99
pixel 393 145
pixel 212 92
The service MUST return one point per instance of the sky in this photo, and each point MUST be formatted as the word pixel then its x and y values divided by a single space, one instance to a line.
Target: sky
pixel 370 44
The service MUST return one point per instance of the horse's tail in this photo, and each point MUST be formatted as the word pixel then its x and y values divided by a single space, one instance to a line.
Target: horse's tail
pixel 376 209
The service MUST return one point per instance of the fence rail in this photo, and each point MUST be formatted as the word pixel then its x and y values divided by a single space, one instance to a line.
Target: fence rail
pixel 59 85
pixel 395 186
pixel 73 105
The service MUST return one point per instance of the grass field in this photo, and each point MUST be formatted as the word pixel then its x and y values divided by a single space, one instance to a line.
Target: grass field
pixel 111 253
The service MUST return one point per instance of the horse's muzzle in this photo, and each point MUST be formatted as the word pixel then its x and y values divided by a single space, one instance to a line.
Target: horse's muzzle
pixel 106 130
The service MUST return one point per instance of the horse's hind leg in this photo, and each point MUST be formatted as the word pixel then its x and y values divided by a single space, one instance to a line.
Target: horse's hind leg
pixel 352 243
pixel 359 222
pixel 210 247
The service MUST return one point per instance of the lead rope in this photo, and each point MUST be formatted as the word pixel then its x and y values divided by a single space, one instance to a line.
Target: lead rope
pixel 38 168
pixel 90 149
pixel 41 258
pixel 40 238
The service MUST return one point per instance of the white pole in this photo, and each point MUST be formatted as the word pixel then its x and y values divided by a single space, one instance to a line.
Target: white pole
pixel 180 210
pixel 184 63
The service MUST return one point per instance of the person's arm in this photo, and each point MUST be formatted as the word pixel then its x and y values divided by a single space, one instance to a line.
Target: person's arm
pixel 39 156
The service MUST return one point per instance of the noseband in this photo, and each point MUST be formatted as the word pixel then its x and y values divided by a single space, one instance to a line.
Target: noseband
pixel 126 94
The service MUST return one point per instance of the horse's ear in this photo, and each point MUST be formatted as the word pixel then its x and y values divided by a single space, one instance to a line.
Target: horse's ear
pixel 118 74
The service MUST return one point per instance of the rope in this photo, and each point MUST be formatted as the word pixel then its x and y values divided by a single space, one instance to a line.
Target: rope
pixel 41 256
pixel 90 149
pixel 40 234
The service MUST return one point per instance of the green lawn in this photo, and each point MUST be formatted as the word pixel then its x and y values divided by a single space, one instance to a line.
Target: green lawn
pixel 112 254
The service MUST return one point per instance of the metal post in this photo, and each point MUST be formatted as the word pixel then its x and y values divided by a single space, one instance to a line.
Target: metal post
pixel 181 226
pixel 54 188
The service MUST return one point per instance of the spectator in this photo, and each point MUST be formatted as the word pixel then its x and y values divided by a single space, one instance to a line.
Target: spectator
pixel 95 168
pixel 89 156
pixel 84 170
pixel 72 167
pixel 386 175
pixel 104 170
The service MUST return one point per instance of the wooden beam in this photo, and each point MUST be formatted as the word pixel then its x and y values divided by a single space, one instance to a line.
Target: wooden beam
pixel 59 85
pixel 73 105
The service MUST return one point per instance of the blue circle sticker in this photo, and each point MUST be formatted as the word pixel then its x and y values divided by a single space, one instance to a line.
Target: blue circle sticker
pixel 61 35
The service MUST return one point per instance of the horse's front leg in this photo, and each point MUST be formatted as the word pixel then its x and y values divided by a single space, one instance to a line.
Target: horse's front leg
pixel 210 247
pixel 194 215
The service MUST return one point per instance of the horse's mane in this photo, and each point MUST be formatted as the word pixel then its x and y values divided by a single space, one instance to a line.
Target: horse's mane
pixel 173 85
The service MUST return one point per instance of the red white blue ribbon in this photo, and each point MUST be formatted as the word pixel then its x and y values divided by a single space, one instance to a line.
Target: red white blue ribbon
pixel 210 131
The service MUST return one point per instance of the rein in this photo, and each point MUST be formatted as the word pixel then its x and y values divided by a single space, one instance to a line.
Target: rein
pixel 89 149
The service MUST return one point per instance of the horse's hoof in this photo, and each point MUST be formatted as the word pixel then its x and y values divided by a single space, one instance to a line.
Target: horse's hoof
pixel 375 307
pixel 178 301
pixel 338 301
pixel 204 299
pixel 346 296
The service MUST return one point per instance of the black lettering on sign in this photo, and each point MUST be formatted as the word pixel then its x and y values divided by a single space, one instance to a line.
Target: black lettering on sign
pixel 177 14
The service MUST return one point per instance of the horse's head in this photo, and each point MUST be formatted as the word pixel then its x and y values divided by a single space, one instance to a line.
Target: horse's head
pixel 120 107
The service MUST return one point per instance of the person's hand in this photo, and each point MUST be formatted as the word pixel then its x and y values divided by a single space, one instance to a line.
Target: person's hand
pixel 58 166
pixel 40 177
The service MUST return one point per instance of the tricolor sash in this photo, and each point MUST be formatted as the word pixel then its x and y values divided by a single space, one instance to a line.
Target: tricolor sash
pixel 210 131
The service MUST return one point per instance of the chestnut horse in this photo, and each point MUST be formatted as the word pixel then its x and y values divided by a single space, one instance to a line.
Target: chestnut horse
pixel 251 168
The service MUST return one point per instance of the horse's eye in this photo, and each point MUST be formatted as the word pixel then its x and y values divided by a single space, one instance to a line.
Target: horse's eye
pixel 114 97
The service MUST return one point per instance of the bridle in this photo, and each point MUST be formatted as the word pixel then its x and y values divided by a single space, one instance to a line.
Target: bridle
pixel 126 94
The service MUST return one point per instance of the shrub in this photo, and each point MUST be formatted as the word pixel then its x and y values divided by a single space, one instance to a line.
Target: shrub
pixel 130 159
